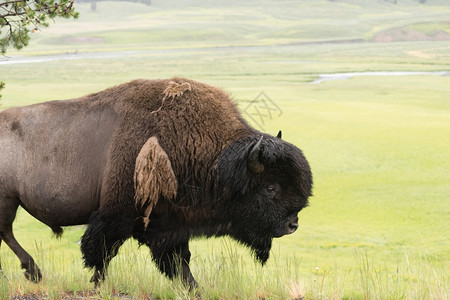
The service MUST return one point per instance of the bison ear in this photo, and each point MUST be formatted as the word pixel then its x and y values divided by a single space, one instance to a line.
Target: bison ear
pixel 254 165
pixel 279 134
pixel 153 177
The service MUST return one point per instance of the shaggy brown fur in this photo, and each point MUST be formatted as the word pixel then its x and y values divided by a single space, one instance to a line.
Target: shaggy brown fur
pixel 158 160
pixel 153 177
pixel 176 89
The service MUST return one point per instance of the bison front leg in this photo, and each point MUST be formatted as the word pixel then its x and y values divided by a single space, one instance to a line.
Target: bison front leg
pixel 171 261
pixel 101 242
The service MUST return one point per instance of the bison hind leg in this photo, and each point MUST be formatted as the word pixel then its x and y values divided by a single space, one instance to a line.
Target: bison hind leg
pixel 8 209
pixel 32 272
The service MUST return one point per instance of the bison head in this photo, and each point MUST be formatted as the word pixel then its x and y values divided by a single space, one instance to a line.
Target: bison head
pixel 264 183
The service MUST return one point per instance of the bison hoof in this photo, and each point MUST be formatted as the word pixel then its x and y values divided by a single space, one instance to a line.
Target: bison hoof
pixel 33 275
pixel 97 278
pixel 193 285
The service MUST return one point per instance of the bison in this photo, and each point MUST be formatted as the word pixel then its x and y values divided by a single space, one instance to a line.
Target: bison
pixel 161 161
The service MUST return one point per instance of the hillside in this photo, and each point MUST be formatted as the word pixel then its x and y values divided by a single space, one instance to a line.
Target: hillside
pixel 192 24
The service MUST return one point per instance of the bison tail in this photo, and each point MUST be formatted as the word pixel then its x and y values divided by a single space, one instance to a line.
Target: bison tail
pixel 57 231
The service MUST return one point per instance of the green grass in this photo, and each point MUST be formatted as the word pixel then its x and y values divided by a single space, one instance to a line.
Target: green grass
pixel 377 227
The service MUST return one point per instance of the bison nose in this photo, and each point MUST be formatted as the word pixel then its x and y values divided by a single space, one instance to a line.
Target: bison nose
pixel 292 226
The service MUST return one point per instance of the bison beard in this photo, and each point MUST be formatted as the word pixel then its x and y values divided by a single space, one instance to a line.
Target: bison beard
pixel 258 243
pixel 161 161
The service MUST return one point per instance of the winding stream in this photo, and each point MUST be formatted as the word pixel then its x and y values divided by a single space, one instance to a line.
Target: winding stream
pixel 343 76
pixel 99 55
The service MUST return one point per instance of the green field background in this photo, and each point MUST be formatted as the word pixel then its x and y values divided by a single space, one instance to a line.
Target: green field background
pixel 379 146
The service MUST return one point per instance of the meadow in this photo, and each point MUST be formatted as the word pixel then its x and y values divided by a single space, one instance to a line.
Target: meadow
pixel 379 146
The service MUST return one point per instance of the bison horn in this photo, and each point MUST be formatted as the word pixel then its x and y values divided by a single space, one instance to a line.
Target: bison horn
pixel 279 134
pixel 254 164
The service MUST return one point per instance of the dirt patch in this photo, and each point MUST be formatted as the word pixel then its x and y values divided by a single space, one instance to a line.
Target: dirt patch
pixel 409 35
pixel 77 296
pixel 420 54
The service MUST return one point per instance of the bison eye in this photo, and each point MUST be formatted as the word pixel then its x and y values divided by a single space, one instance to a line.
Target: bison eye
pixel 272 189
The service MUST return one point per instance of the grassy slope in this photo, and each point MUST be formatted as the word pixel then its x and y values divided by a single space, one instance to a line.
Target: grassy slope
pixel 377 226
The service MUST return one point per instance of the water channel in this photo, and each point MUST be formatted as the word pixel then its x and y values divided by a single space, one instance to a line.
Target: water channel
pixel 100 55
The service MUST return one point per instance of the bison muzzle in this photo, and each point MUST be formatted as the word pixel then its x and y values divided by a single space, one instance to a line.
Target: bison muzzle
pixel 161 161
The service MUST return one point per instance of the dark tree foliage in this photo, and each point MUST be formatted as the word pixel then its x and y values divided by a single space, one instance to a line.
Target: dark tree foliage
pixel 20 17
